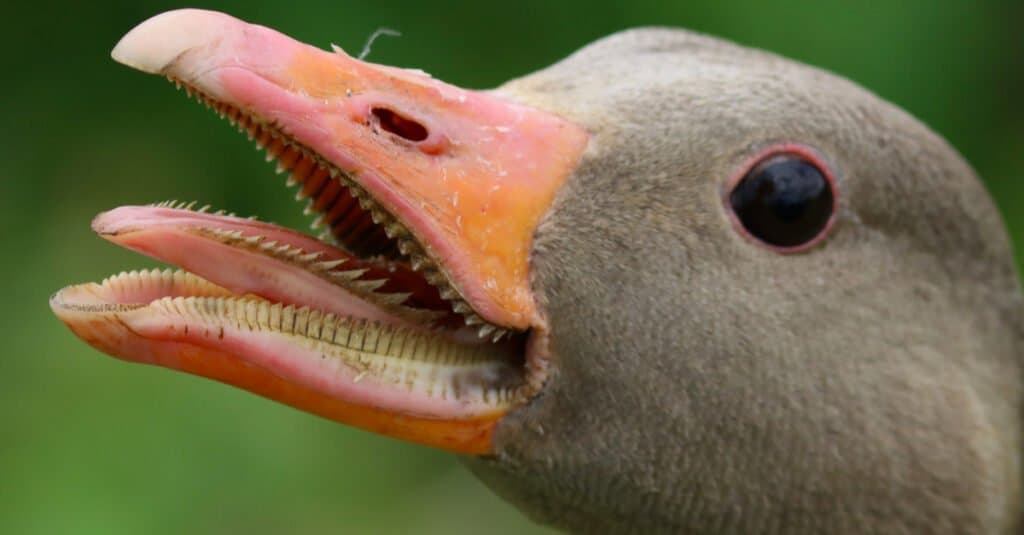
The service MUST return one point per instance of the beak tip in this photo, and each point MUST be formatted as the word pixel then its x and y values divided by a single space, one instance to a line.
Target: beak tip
pixel 105 223
pixel 157 42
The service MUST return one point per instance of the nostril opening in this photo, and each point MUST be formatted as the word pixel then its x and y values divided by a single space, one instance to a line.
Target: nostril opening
pixel 400 125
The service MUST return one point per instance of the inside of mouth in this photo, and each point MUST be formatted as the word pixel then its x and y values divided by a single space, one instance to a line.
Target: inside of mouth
pixel 347 217
pixel 364 266
pixel 359 317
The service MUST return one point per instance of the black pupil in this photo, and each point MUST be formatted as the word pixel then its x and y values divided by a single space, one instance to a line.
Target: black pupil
pixel 785 201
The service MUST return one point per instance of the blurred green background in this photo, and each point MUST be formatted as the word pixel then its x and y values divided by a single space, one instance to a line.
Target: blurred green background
pixel 93 445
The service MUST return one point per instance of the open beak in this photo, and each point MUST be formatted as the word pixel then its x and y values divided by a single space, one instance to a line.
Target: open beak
pixel 409 315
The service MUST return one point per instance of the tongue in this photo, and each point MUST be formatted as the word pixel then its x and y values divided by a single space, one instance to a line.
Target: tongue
pixel 276 263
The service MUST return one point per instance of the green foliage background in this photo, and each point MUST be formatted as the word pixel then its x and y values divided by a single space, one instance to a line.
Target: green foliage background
pixel 93 445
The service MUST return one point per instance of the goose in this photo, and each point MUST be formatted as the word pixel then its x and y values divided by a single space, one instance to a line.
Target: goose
pixel 667 285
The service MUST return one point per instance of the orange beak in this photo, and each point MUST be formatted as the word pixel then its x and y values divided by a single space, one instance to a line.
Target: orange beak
pixel 469 173
pixel 459 179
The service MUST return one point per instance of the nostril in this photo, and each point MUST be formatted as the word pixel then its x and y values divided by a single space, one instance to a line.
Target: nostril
pixel 400 125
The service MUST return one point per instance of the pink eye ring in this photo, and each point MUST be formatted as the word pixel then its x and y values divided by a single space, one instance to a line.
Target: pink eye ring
pixel 784 198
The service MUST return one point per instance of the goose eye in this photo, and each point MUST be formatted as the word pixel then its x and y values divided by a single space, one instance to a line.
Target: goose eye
pixel 785 201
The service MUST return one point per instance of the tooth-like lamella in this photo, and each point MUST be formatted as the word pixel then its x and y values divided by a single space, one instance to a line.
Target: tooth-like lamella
pixel 330 270
pixel 415 361
pixel 190 206
pixel 161 282
pixel 303 165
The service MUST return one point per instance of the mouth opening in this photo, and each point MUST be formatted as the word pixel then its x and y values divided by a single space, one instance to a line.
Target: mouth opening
pixel 358 316
pixel 347 217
